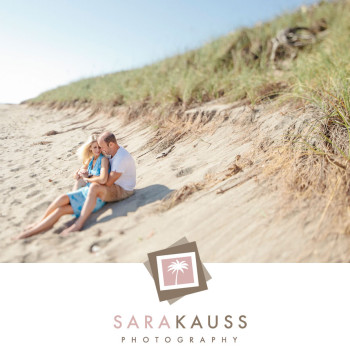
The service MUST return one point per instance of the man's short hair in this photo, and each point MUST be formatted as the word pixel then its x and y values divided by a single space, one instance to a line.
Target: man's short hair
pixel 109 137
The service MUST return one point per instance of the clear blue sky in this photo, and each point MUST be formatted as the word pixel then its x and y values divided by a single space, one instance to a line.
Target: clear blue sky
pixel 49 43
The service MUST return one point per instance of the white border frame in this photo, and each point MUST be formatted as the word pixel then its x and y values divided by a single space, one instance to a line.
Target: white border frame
pixel 160 258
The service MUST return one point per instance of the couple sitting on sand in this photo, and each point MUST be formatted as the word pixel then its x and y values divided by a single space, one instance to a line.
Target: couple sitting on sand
pixel 103 181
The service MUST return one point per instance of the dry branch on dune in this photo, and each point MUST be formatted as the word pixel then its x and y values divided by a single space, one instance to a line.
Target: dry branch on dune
pixel 210 180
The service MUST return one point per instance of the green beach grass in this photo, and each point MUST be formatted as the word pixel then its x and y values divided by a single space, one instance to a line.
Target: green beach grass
pixel 233 67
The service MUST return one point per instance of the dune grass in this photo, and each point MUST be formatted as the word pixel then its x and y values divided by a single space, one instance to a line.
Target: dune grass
pixel 235 66
pixel 316 162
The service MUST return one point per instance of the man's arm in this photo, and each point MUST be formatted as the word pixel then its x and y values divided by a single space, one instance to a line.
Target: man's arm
pixel 113 177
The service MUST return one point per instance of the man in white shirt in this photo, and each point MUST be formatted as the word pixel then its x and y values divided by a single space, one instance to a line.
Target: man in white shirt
pixel 120 183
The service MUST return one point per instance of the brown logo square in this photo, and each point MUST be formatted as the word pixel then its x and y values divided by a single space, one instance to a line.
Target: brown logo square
pixel 177 271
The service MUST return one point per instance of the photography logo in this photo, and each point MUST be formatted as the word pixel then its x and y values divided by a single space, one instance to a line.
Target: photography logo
pixel 177 271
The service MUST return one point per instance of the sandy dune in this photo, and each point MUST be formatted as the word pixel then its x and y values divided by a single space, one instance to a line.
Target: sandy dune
pixel 246 223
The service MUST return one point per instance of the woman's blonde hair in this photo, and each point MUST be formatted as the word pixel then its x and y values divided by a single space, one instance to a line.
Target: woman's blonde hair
pixel 84 153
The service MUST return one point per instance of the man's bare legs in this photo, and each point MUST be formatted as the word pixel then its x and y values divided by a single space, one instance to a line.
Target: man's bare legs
pixel 95 191
pixel 47 222
pixel 57 203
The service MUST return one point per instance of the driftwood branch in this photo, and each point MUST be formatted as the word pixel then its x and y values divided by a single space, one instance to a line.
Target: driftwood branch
pixel 165 153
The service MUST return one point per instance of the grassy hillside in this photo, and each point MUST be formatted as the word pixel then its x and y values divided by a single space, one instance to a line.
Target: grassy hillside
pixel 235 66
pixel 238 66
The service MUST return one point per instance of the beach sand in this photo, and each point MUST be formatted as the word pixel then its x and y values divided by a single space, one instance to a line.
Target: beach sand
pixel 246 223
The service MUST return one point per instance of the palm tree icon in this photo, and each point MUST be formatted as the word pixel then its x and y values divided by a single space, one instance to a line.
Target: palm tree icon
pixel 178 266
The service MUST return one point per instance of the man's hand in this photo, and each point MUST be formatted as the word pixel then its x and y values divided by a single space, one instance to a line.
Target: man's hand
pixel 112 178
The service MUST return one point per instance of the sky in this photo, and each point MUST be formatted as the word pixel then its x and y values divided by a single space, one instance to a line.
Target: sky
pixel 45 44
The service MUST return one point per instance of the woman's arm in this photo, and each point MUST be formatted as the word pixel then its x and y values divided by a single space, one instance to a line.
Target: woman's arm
pixel 102 178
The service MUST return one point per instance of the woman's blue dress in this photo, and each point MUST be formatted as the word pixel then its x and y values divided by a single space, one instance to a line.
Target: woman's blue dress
pixel 77 198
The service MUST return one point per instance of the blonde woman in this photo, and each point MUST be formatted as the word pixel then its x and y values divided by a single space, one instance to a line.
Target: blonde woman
pixel 95 168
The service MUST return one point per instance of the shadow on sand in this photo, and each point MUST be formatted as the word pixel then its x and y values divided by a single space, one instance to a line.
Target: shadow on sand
pixel 142 196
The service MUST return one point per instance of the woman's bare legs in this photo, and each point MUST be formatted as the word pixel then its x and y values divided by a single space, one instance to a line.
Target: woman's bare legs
pixel 58 202
pixel 48 221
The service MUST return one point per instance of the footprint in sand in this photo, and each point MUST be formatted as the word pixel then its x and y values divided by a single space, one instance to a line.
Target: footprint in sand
pixel 27 187
pixel 29 258
pixel 98 245
pixel 32 194
pixel 14 222
pixel 184 172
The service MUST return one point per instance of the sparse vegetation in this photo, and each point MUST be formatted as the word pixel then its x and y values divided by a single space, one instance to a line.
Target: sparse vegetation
pixel 235 66
pixel 315 162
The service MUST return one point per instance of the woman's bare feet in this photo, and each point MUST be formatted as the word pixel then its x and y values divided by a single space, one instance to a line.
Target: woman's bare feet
pixel 72 228
pixel 15 238
pixel 23 234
